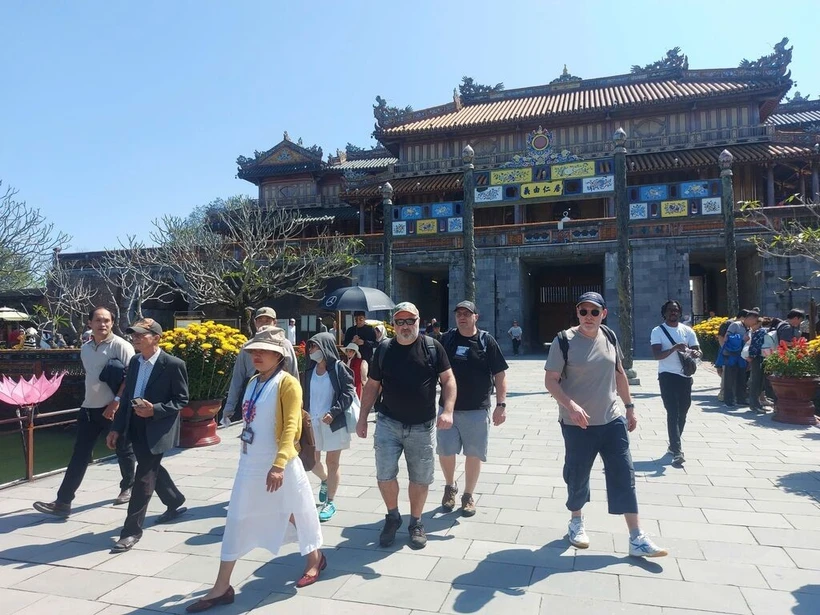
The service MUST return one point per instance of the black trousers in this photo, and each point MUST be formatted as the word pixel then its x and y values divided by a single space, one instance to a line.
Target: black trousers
pixel 516 345
pixel 734 384
pixel 151 476
pixel 676 393
pixel 90 426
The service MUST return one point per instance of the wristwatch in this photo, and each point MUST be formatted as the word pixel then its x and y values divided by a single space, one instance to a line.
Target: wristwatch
pixel 503 404
pixel 629 406
pixel 117 398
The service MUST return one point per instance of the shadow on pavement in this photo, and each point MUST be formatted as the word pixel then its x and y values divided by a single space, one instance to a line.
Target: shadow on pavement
pixel 808 600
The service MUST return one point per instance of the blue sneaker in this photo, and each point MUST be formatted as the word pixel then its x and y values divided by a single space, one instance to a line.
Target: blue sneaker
pixel 327 512
pixel 323 492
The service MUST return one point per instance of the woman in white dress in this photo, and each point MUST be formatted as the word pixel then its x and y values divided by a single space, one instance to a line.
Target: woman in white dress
pixel 329 393
pixel 265 497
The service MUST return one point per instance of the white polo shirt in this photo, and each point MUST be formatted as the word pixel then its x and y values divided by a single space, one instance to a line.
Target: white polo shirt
pixel 95 357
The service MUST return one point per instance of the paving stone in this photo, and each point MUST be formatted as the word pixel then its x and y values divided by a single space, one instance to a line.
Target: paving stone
pixel 805 558
pixel 791 579
pixel 468 599
pixel 147 562
pixel 552 604
pixel 681 594
pixel 75 582
pixel 395 591
pixel 575 583
pixel 281 604
pixel 13 573
pixel 151 593
pixel 801 539
pixel 718 503
pixel 14 600
pixel 706 531
pixel 771 602
pixel 753 519
pixel 60 605
pixel 721 573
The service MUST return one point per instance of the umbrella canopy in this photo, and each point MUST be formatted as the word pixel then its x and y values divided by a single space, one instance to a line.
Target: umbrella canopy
pixel 10 315
pixel 352 298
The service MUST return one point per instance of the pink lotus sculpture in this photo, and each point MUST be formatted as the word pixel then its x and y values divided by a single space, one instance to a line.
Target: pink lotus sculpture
pixel 29 392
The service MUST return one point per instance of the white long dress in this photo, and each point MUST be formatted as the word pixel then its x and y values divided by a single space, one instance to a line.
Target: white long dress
pixel 256 517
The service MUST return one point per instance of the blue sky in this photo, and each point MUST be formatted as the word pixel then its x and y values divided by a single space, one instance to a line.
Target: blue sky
pixel 115 113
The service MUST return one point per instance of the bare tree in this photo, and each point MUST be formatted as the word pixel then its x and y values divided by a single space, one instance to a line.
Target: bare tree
pixel 785 232
pixel 131 277
pixel 27 242
pixel 68 297
pixel 239 254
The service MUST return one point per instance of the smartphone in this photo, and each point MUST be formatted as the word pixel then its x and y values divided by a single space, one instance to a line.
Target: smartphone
pixel 136 401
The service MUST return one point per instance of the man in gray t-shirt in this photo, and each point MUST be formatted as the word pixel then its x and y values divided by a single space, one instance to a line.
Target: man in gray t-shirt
pixel 586 381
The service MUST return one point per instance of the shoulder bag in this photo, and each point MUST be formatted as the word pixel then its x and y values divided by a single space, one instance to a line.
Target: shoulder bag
pixel 687 361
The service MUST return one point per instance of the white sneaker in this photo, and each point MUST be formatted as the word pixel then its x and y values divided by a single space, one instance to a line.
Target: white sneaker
pixel 577 533
pixel 641 546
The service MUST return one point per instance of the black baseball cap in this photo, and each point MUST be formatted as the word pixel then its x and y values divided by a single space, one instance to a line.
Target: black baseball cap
pixel 467 305
pixel 591 297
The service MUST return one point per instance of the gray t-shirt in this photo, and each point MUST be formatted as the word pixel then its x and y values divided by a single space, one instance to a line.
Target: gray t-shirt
pixel 589 378
pixel 95 357
pixel 740 328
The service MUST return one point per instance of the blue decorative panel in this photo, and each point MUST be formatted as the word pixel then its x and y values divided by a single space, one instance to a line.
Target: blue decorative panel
pixel 455 225
pixel 694 190
pixel 638 211
pixel 412 212
pixel 441 210
pixel 653 193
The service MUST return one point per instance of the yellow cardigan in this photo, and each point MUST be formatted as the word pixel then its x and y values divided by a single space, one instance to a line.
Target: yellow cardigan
pixel 288 420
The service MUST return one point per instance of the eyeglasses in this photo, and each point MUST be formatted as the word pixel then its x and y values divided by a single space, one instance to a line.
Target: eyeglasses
pixel 405 321
pixel 584 312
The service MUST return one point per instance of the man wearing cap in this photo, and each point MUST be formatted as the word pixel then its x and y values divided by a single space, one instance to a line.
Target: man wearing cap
pixel 156 389
pixel 243 368
pixel 361 334
pixel 100 404
pixel 586 382
pixel 477 365
pixel 405 369
pixel 789 329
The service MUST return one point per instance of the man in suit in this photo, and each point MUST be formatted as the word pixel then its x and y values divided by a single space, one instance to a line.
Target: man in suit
pixel 156 389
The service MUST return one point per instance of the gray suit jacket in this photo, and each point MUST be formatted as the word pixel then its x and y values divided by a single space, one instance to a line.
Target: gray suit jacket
pixel 167 389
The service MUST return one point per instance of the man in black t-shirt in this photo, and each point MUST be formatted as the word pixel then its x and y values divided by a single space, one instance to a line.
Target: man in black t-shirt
pixel 478 365
pixel 405 370
pixel 361 334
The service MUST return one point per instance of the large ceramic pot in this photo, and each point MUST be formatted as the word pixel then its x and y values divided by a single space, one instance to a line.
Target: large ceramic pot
pixel 795 400
pixel 198 424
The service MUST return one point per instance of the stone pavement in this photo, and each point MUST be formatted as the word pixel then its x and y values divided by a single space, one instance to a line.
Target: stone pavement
pixel 740 521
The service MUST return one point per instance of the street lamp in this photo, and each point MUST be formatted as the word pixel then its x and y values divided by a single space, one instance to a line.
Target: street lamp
pixel 467 157
pixel 725 160
pixel 624 260
pixel 387 204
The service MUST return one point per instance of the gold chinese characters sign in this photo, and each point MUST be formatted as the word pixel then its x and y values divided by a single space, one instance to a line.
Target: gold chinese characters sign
pixel 541 189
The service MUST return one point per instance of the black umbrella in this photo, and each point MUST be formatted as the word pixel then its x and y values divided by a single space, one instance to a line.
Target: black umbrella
pixel 352 298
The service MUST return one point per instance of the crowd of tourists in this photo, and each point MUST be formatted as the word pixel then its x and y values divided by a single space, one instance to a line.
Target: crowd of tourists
pixel 134 393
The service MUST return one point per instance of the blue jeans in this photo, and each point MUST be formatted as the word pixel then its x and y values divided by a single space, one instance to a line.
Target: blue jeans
pixel 582 446
pixel 392 438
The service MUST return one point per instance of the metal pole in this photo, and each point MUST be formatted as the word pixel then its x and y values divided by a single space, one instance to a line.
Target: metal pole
pixel 30 443
pixel 624 256
pixel 728 202
pixel 387 204
pixel 467 156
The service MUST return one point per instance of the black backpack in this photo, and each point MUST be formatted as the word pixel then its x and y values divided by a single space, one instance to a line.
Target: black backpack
pixel 429 348
pixel 448 338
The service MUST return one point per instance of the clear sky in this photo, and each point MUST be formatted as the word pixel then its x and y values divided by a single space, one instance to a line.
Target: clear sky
pixel 114 113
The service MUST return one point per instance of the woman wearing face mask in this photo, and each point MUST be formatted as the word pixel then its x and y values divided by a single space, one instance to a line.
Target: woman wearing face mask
pixel 329 392
pixel 266 497
pixel 357 365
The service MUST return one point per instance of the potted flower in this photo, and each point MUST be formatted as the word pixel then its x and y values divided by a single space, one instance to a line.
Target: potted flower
pixel 209 351
pixel 793 372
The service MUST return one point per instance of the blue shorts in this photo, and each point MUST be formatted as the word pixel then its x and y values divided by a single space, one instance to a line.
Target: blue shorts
pixel 415 441
pixel 582 446
pixel 470 432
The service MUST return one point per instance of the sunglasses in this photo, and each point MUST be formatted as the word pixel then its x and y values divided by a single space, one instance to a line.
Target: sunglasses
pixel 405 321
pixel 584 312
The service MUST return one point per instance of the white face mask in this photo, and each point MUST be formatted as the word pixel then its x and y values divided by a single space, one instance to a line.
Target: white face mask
pixel 317 356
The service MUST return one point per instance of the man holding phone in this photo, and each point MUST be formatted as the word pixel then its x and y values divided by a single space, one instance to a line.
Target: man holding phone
pixel 156 388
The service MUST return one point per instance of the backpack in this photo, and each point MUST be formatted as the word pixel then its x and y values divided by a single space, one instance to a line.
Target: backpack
pixel 733 343
pixel 429 349
pixel 563 343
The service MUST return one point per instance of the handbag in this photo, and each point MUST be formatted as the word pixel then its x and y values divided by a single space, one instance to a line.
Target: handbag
pixel 687 361
pixel 307 444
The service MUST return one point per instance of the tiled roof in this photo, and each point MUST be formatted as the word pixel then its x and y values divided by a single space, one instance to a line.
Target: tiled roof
pixel 268 170
pixel 708 156
pixel 513 106
pixel 783 119
pixel 412 185
pixel 363 165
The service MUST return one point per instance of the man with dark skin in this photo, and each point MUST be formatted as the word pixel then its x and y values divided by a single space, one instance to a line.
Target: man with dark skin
pixel 676 387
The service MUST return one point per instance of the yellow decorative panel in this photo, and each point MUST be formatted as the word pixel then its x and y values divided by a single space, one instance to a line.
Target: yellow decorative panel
pixel 573 169
pixel 511 176
pixel 542 189
pixel 673 209
pixel 429 227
